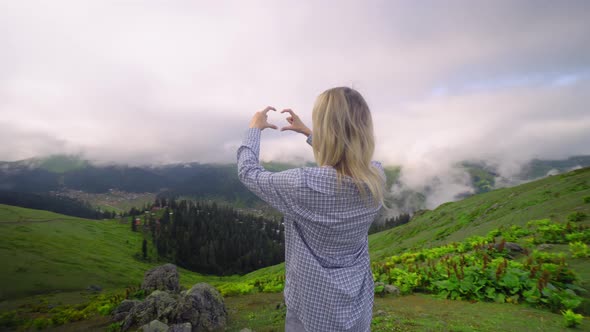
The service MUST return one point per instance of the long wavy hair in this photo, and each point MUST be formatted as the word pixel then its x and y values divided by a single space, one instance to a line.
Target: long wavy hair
pixel 343 138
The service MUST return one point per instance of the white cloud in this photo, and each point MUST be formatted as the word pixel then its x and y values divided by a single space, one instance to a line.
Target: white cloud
pixel 178 80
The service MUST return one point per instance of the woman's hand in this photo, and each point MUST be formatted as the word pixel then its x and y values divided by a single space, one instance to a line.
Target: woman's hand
pixel 295 123
pixel 260 119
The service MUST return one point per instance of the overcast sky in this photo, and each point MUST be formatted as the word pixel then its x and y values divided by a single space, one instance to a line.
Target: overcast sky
pixel 172 81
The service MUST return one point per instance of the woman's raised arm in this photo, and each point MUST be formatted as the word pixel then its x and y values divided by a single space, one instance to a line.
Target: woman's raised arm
pixel 275 188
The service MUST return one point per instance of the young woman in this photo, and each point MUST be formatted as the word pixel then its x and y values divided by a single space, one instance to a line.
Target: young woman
pixel 327 212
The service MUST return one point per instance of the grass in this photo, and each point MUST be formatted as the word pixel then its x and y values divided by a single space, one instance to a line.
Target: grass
pixel 43 252
pixel 266 312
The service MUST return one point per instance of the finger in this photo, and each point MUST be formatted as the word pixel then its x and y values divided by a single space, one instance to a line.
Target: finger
pixel 287 128
pixel 290 119
pixel 271 126
pixel 288 110
pixel 268 108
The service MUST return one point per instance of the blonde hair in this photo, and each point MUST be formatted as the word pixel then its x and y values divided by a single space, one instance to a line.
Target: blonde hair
pixel 343 138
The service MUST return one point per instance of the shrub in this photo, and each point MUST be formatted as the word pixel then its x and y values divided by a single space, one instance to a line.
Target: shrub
pixel 579 249
pixel 571 319
pixel 273 288
pixel 557 299
pixel 115 327
pixel 576 216
pixel 236 289
pixel 579 236
pixel 379 289
pixel 106 309
pixel 41 323
pixel 138 294
pixel 587 199
pixel 404 280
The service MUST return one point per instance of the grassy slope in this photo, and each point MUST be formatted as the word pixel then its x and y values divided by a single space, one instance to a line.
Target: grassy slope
pixel 42 252
pixel 553 197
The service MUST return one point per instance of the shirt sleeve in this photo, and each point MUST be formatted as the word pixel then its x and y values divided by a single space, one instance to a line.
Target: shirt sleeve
pixel 308 140
pixel 275 188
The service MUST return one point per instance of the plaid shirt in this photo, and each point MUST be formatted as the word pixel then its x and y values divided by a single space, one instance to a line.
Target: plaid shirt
pixel 329 284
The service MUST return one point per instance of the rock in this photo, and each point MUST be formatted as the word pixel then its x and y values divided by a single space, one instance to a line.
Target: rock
pixel 155 326
pixel 94 288
pixel 123 309
pixel 544 246
pixel 158 305
pixel 186 327
pixel 246 330
pixel 380 313
pixel 390 289
pixel 512 248
pixel 203 307
pixel 164 277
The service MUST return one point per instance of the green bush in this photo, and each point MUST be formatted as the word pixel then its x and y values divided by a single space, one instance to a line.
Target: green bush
pixel 571 319
pixel 478 269
pixel 273 288
pixel 66 314
pixel 115 327
pixel 579 249
pixel 239 288
pixel 576 216
pixel 557 299
pixel 587 199
pixel 106 309
pixel 583 236
pixel 379 289
pixel 41 323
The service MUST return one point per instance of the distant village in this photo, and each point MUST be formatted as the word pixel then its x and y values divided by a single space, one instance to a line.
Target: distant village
pixel 114 200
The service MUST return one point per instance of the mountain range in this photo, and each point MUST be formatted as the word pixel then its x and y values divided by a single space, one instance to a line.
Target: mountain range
pixel 60 173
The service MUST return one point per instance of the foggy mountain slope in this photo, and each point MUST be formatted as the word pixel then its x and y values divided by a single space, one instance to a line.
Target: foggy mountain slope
pixel 409 189
pixel 554 197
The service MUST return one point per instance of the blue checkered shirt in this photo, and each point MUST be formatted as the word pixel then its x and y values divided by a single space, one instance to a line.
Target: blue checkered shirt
pixel 329 284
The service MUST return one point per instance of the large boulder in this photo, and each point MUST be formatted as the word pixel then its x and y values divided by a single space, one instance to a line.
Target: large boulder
pixel 391 289
pixel 123 309
pixel 158 305
pixel 203 307
pixel 164 277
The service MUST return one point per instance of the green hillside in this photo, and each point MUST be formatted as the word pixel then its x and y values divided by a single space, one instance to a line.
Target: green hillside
pixel 554 197
pixel 43 252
